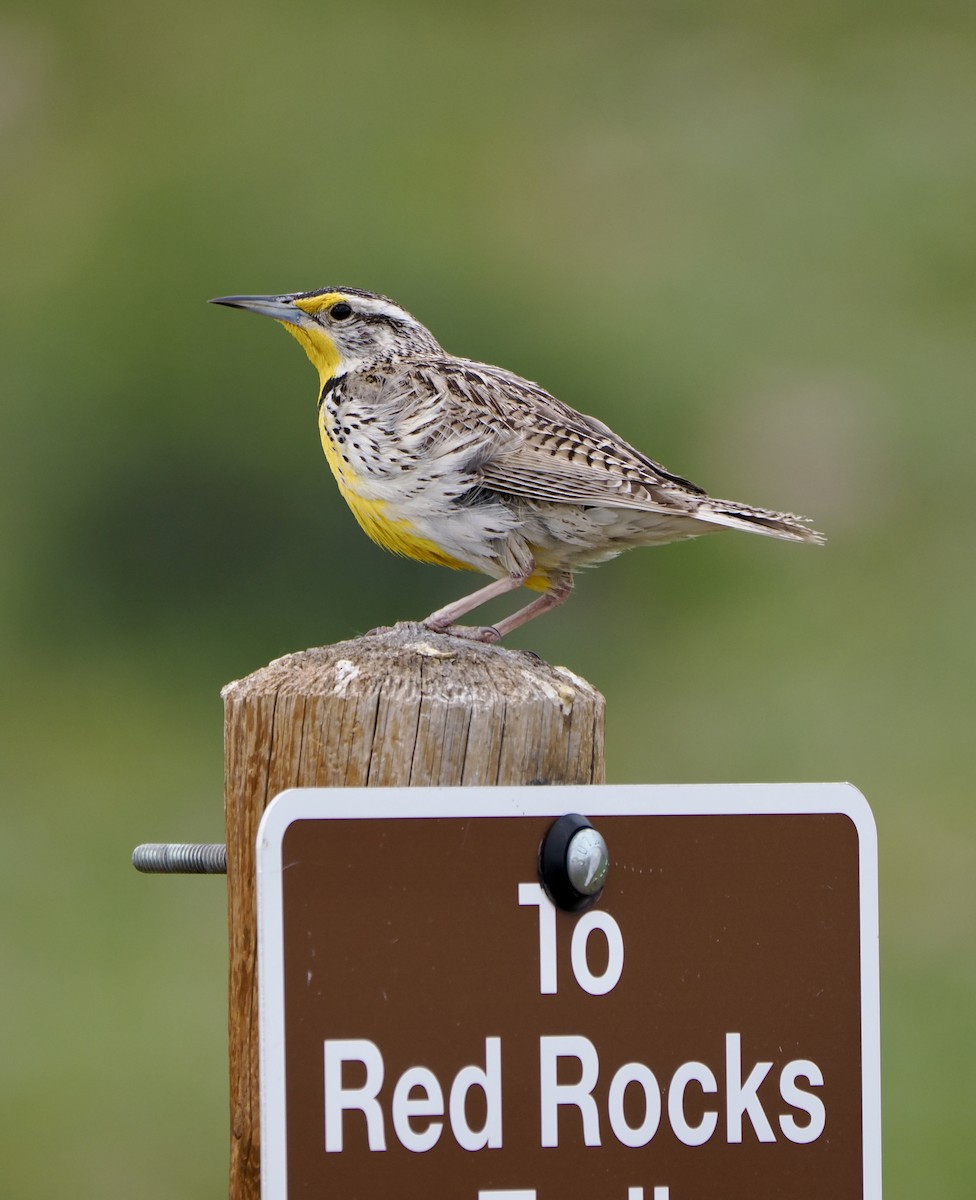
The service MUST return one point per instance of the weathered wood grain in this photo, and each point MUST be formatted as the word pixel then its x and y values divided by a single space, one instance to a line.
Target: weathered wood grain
pixel 400 707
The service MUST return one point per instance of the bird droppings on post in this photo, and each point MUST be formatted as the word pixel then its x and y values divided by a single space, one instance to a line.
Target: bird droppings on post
pixel 571 676
pixel 561 694
pixel 345 673
pixel 426 650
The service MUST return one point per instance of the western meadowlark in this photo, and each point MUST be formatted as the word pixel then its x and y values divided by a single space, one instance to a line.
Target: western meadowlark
pixel 466 465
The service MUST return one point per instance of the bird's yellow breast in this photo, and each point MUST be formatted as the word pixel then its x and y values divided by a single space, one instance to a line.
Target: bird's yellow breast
pixel 392 533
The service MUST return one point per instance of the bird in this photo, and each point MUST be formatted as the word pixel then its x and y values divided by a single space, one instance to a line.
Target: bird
pixel 455 462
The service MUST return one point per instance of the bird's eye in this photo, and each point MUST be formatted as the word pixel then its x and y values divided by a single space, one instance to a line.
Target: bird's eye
pixel 340 311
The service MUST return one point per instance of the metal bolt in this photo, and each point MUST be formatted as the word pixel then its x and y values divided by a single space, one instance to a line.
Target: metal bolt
pixel 573 863
pixel 180 858
pixel 587 861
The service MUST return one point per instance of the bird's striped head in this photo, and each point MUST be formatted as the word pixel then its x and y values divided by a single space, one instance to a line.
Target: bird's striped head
pixel 342 328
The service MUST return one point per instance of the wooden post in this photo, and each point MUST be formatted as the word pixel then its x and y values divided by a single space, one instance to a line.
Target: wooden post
pixel 401 707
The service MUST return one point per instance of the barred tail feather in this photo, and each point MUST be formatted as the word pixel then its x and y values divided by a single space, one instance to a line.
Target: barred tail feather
pixel 786 526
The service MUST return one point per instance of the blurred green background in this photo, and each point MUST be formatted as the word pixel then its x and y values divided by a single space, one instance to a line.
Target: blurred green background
pixel 743 234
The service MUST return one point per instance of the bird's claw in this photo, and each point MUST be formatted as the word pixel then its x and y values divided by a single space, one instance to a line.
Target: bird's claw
pixel 472 633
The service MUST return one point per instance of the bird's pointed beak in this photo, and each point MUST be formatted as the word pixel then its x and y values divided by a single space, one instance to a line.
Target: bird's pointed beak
pixel 280 308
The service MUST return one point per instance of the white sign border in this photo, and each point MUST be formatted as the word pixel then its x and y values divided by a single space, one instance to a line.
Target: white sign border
pixel 299 804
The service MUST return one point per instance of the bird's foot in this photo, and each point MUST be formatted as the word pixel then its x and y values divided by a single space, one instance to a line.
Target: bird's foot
pixel 473 633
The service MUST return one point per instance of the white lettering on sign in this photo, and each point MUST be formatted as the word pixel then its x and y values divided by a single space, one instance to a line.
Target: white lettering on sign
pixel 643 1077
pixel 488 1081
pixel 340 1099
pixel 742 1097
pixel 596 985
pixel 569 1072
pixel 691 1135
pixel 634 1193
pixel 574 1095
pixel 532 893
pixel 813 1106
pixel 429 1104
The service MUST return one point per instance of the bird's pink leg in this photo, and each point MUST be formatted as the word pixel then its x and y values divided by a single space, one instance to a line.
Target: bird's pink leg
pixel 442 621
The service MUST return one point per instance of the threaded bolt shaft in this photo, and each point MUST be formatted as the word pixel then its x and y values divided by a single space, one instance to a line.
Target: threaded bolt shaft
pixel 176 858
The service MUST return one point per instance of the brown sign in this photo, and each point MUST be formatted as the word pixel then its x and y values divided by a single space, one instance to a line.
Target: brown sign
pixel 432 1026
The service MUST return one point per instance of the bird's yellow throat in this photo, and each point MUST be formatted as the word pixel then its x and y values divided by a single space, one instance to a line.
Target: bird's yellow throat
pixel 325 358
pixel 320 348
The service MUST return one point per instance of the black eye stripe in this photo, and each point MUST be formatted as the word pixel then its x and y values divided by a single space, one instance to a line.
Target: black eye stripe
pixel 340 311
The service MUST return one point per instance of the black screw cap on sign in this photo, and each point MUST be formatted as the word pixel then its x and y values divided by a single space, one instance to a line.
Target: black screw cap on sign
pixel 554 864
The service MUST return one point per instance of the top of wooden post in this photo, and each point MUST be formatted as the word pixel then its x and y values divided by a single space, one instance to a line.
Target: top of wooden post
pixel 408 706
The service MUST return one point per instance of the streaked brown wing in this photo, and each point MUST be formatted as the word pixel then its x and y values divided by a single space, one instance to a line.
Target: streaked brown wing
pixel 538 447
